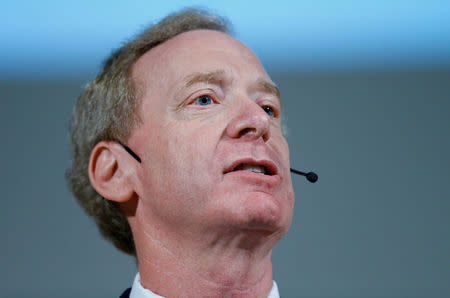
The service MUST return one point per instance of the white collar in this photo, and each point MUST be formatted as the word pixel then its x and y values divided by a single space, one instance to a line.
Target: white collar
pixel 138 291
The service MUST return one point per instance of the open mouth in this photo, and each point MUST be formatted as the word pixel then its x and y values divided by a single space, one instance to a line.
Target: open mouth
pixel 252 168
pixel 265 168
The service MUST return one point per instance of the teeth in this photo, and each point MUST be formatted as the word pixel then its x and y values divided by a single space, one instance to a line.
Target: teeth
pixel 253 168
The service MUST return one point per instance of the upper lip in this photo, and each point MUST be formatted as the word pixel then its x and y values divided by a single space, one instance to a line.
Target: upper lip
pixel 268 164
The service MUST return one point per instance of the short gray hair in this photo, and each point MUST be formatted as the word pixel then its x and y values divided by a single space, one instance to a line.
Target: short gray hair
pixel 107 111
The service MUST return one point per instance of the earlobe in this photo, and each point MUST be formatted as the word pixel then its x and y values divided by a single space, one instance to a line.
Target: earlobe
pixel 107 174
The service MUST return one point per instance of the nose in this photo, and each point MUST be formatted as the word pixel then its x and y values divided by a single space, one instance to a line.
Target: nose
pixel 250 122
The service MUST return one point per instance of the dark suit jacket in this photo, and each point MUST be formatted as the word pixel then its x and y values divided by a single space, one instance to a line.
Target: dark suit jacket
pixel 126 293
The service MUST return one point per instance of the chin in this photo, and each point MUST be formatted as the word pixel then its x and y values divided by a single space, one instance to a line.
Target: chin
pixel 260 211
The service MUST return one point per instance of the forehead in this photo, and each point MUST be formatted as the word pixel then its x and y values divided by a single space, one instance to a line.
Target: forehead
pixel 197 51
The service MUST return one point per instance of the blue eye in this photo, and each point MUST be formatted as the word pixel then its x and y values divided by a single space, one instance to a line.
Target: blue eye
pixel 204 100
pixel 269 110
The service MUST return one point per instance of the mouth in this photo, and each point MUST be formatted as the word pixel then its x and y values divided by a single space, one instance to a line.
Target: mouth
pixel 260 167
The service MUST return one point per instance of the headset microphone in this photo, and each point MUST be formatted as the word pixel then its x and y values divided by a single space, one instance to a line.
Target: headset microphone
pixel 311 176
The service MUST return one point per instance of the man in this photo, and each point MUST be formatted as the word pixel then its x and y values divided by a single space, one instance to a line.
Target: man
pixel 179 156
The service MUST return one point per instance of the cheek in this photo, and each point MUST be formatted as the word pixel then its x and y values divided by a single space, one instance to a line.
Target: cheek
pixel 191 150
pixel 281 148
pixel 286 191
pixel 181 161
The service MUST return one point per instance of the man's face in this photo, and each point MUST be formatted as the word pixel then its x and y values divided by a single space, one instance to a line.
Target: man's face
pixel 210 125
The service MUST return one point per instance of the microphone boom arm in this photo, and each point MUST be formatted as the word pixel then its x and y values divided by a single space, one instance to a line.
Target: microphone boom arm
pixel 311 176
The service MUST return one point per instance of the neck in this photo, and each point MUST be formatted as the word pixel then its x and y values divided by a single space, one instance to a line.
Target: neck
pixel 229 263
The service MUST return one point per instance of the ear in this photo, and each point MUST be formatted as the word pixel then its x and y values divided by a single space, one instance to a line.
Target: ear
pixel 109 173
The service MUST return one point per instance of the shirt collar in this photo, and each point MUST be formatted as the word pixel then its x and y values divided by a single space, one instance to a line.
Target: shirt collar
pixel 138 291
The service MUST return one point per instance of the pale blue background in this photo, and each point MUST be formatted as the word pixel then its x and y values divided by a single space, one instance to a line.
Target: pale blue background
pixel 366 94
pixel 48 38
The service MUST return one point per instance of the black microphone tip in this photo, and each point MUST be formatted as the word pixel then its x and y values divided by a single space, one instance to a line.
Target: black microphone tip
pixel 312 177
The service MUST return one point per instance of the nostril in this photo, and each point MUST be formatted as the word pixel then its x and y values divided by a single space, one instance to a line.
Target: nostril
pixel 266 136
pixel 246 131
pixel 254 133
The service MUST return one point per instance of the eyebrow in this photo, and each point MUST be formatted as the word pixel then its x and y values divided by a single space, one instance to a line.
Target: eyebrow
pixel 207 77
pixel 218 76
pixel 270 88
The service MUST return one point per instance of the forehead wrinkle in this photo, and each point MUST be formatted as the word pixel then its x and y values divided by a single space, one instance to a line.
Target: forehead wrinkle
pixel 206 77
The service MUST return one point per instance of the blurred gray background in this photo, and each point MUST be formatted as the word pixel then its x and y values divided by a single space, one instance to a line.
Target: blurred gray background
pixel 374 124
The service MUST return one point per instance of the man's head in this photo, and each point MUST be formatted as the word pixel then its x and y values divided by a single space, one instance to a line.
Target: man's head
pixel 201 112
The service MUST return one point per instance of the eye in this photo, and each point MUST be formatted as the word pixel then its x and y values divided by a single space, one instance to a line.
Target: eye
pixel 203 100
pixel 269 110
